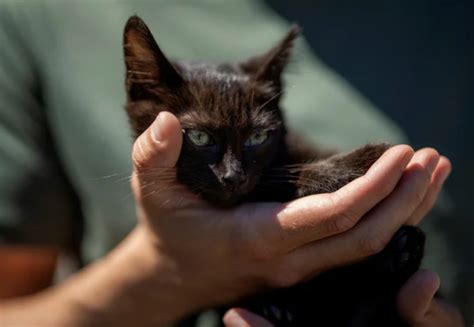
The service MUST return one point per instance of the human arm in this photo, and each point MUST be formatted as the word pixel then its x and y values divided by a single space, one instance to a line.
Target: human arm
pixel 185 255
pixel 26 269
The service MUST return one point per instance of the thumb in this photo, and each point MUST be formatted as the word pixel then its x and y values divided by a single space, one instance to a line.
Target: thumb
pixel 416 296
pixel 237 317
pixel 155 154
pixel 159 146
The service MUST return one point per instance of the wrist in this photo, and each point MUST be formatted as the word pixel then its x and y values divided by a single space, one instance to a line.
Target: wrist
pixel 134 284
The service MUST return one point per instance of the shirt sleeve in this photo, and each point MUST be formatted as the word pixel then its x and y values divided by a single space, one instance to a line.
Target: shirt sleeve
pixel 37 204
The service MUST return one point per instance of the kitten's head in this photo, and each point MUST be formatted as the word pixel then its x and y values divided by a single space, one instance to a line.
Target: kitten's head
pixel 232 124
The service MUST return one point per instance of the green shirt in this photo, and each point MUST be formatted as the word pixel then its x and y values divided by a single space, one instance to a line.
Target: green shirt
pixel 64 139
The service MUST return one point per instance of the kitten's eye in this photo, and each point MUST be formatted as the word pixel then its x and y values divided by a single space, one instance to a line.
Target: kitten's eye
pixel 257 138
pixel 199 138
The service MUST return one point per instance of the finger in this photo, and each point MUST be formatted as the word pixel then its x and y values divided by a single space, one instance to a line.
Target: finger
pixel 426 157
pixel 441 173
pixel 317 216
pixel 155 154
pixel 417 305
pixel 368 237
pixel 441 314
pixel 415 297
pixel 159 146
pixel 243 318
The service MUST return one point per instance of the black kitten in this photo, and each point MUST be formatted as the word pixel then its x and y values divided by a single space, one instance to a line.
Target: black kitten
pixel 237 149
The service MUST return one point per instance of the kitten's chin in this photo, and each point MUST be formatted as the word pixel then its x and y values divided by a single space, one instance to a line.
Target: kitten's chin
pixel 226 196
pixel 223 199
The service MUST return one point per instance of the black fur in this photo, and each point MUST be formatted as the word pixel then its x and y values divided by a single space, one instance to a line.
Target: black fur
pixel 232 105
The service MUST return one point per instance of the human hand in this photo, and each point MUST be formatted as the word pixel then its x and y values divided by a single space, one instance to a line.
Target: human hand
pixel 416 305
pixel 184 254
pixel 416 302
pixel 213 256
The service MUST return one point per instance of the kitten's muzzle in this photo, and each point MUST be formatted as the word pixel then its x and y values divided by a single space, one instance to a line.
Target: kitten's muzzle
pixel 234 180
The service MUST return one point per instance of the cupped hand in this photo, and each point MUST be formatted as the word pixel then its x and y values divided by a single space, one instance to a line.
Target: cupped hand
pixel 211 256
pixel 416 304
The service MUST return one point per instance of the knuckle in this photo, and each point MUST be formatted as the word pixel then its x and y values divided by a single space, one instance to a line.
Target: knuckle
pixel 429 151
pixel 385 189
pixel 424 180
pixel 425 177
pixel 341 219
pixel 283 277
pixel 372 244
pixel 138 155
pixel 415 189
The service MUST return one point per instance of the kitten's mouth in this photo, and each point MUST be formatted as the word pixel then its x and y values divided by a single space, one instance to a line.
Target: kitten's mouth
pixel 223 199
pixel 227 196
pixel 231 199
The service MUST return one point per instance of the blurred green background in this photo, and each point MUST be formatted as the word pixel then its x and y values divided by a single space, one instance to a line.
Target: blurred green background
pixel 61 94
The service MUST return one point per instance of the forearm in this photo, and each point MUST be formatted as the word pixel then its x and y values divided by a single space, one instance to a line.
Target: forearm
pixel 130 286
pixel 26 269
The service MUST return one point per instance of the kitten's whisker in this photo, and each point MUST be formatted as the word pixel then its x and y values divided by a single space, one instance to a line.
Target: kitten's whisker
pixel 149 194
pixel 110 176
pixel 137 72
pixel 268 101
pixel 252 97
pixel 291 179
pixel 142 81
pixel 134 60
pixel 123 179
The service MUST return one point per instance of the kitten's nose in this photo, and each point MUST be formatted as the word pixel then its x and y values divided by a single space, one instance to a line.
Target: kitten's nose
pixel 233 179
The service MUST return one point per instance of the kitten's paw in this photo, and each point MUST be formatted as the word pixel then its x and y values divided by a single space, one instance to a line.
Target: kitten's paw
pixel 331 174
pixel 278 314
pixel 403 254
pixel 363 158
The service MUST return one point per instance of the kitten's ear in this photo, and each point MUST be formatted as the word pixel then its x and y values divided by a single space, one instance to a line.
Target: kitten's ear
pixel 146 65
pixel 269 66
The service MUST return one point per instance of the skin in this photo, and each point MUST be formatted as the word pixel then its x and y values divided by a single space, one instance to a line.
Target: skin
pixel 185 255
pixel 416 304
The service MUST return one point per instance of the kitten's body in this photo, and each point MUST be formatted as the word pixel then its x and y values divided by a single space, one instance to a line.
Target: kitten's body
pixel 237 148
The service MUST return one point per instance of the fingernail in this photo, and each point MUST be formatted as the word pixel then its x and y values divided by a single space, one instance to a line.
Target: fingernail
pixel 156 130
pixel 232 319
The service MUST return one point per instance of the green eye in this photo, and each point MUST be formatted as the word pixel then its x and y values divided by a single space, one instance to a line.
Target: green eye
pixel 199 138
pixel 257 138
